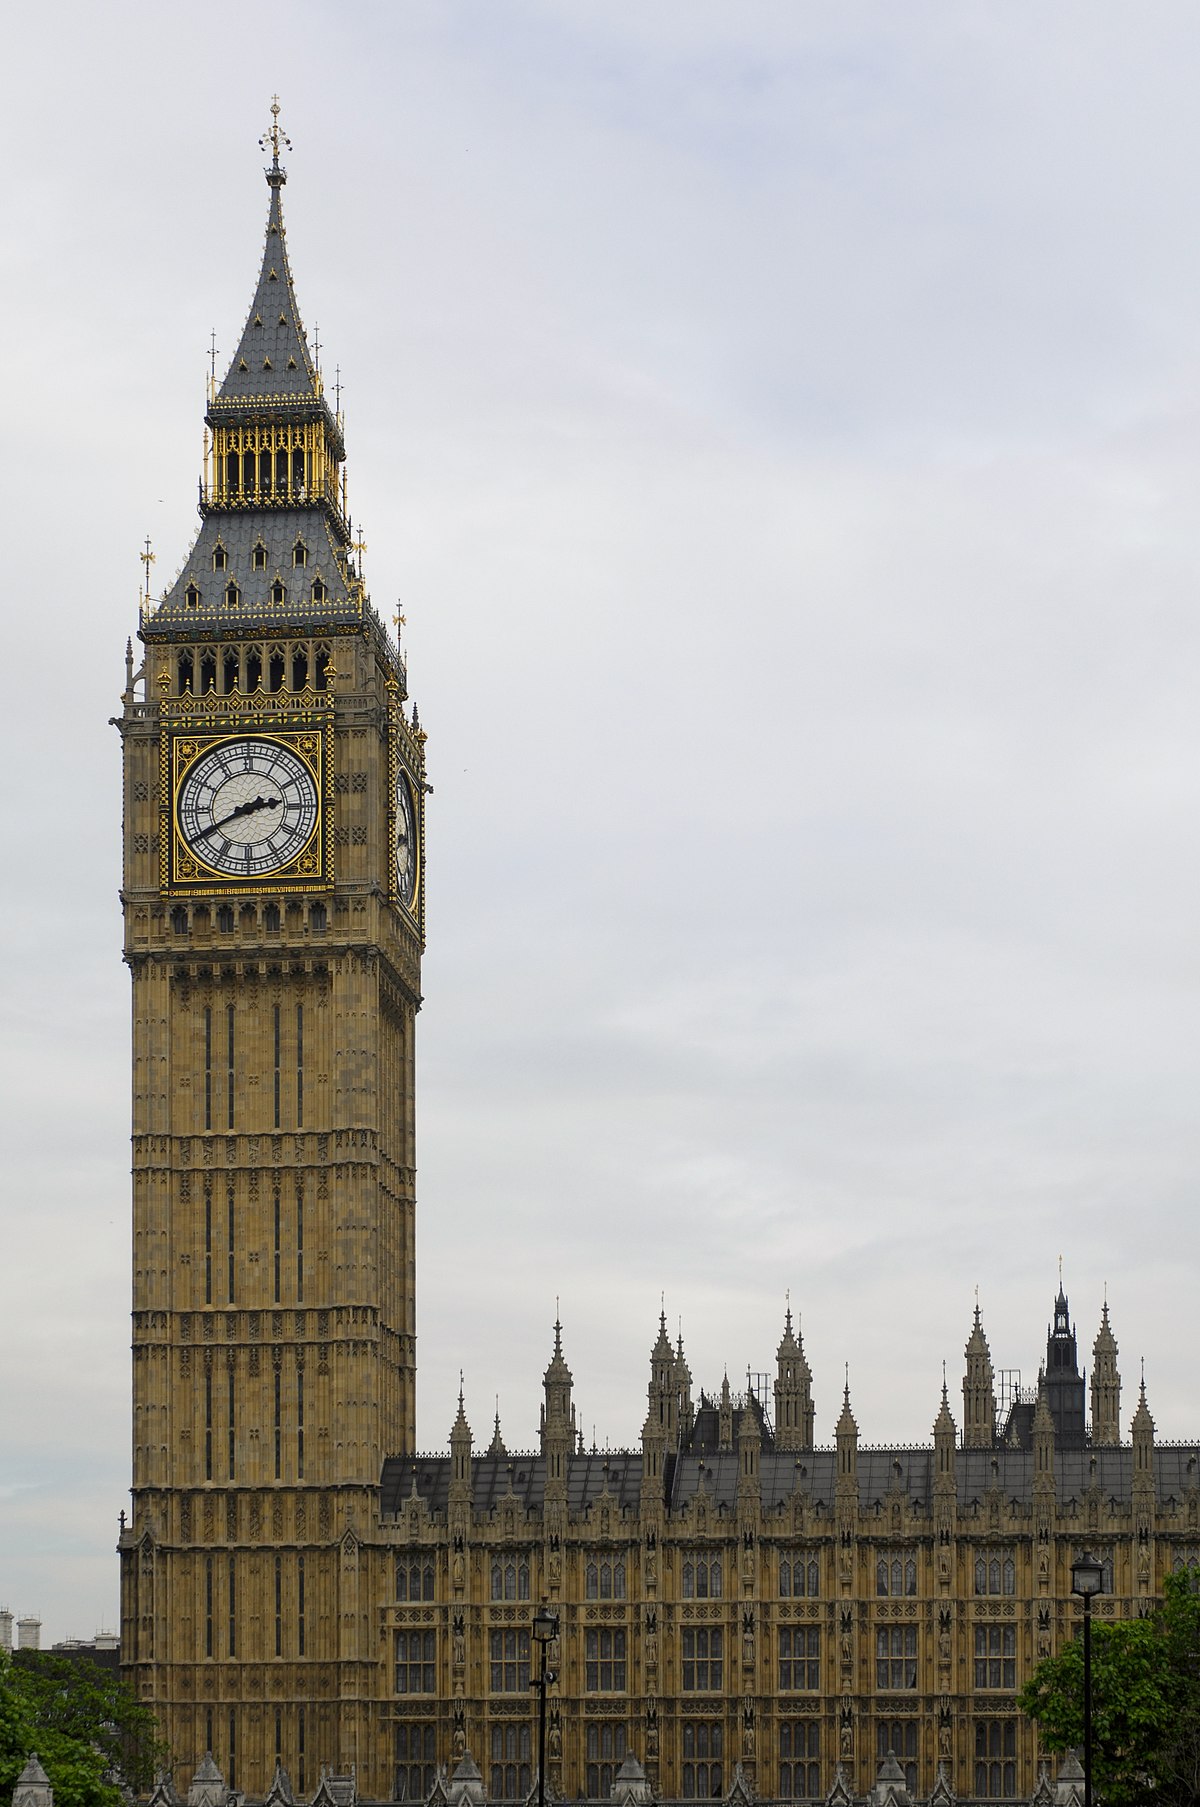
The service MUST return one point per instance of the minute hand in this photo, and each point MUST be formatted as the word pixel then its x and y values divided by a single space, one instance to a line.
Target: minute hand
pixel 243 809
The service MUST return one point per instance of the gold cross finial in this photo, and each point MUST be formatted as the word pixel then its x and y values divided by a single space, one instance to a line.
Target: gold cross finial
pixel 147 558
pixel 275 135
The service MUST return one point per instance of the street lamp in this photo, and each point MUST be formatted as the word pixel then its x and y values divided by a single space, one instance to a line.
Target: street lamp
pixel 545 1628
pixel 1087 1580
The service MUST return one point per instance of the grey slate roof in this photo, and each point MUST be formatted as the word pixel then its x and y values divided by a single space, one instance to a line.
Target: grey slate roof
pixel 272 358
pixel 239 532
pixel 813 1472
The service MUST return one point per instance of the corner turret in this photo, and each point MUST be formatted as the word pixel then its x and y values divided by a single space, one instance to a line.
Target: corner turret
pixel 558 1433
pixel 979 1391
pixel 794 1411
pixel 1106 1387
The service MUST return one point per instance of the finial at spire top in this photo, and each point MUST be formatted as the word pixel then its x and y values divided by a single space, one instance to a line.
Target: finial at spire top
pixel 271 140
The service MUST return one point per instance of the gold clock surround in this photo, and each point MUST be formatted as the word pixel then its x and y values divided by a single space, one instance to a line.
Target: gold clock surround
pixel 185 744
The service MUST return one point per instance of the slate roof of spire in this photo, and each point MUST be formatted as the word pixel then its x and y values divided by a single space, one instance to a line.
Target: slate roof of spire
pixel 277 531
pixel 273 358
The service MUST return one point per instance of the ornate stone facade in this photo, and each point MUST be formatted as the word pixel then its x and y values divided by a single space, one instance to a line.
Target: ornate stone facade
pixel 734 1597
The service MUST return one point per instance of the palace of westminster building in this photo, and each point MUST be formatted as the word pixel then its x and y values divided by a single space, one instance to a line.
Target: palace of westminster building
pixel 311 1608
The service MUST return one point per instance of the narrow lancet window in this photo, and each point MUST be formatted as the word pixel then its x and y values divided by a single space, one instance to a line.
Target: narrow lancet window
pixel 207 1063
pixel 300 1046
pixel 229 1060
pixel 277 1051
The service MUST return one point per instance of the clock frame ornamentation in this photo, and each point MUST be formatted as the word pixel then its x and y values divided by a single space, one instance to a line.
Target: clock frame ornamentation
pixel 190 751
pixel 406 817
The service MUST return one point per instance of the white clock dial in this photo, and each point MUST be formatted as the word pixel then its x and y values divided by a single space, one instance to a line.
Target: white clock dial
pixel 248 807
pixel 406 841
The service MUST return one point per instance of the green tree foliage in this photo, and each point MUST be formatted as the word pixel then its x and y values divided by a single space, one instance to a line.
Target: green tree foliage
pixel 1145 1701
pixel 89 1731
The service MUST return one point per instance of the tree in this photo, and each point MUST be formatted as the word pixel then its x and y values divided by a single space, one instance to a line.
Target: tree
pixel 91 1734
pixel 1145 1701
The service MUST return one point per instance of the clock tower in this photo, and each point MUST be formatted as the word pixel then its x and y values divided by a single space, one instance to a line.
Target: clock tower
pixel 274 787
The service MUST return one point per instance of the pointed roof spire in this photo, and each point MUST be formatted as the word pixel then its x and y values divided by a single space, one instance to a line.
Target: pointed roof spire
pixel 977 1343
pixel 273 358
pixel 496 1447
pixel 558 1371
pixel 788 1344
pixel 1142 1421
pixel 460 1427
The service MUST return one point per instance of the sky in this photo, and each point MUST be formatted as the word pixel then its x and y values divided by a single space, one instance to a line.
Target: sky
pixel 780 427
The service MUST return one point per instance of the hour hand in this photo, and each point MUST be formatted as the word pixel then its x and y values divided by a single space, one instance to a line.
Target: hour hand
pixel 243 809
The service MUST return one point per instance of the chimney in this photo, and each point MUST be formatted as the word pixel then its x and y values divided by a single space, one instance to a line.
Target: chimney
pixel 29 1634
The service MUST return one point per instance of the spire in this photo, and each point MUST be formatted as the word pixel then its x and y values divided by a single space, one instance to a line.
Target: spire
pixel 945 1437
pixel 273 359
pixel 749 1442
pixel 979 1391
pixel 1143 1462
pixel 1142 1426
pixel 847 1451
pixel 558 1433
pixel 274 548
pixel 558 1373
pixel 1044 1483
pixel 683 1387
pixel 496 1446
pixel 794 1411
pixel 725 1415
pixel 660 1432
pixel 1106 1387
pixel 460 1449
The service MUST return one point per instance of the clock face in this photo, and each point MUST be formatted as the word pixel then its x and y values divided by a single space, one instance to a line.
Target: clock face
pixel 247 807
pixel 406 841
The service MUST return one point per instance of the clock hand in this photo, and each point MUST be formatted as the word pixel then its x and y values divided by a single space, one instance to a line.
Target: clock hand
pixel 243 809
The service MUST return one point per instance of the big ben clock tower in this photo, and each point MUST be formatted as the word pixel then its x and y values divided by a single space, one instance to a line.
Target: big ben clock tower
pixel 273 895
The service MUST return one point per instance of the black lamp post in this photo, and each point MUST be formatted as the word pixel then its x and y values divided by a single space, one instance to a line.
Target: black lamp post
pixel 1087 1580
pixel 545 1628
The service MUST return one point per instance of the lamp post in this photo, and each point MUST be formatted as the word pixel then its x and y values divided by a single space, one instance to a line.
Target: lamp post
pixel 545 1628
pixel 1087 1580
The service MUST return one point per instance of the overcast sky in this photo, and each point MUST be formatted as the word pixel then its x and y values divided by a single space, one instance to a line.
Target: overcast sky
pixel 781 425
